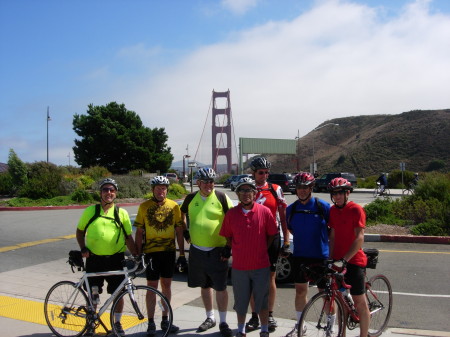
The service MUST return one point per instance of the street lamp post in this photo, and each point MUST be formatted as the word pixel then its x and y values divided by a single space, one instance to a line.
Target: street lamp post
pixel 296 151
pixel 48 119
pixel 314 140
pixel 184 165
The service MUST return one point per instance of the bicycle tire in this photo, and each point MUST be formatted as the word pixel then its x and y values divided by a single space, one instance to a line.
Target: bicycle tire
pixel 314 317
pixel 379 298
pixel 386 193
pixel 71 320
pixel 376 191
pixel 131 323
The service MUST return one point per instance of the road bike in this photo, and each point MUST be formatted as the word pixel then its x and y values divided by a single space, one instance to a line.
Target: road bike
pixel 409 190
pixel 70 311
pixel 316 319
pixel 377 192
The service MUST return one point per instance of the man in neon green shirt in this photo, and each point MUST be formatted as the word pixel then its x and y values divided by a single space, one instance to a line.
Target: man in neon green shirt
pixel 103 241
pixel 206 210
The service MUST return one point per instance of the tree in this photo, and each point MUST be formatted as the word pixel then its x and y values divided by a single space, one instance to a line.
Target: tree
pixel 18 171
pixel 115 138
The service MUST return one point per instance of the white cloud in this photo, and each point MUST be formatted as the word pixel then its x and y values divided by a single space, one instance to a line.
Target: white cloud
pixel 337 60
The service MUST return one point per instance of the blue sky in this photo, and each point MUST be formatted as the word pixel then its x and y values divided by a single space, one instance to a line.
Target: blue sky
pixel 289 65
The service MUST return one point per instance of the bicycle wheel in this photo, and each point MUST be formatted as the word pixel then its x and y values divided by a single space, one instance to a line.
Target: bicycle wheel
pixel 376 191
pixel 379 298
pixel 137 310
pixel 386 193
pixel 65 309
pixel 315 320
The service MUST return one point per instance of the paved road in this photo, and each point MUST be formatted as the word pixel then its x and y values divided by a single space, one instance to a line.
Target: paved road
pixel 419 272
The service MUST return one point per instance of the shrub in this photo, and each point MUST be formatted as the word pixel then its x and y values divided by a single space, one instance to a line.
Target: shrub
pixel 97 172
pixel 176 191
pixel 80 195
pixel 430 227
pixel 6 184
pixel 380 211
pixel 18 171
pixel 44 181
pixel 131 187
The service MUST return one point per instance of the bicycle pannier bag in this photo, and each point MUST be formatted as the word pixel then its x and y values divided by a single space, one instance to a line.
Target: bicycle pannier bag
pixel 372 257
pixel 76 260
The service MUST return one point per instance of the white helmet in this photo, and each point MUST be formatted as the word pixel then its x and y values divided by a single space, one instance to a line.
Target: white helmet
pixel 159 180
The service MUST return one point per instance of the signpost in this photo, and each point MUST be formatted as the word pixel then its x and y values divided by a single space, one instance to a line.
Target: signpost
pixel 191 164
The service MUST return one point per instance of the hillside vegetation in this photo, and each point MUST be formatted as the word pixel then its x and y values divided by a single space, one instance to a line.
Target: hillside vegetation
pixel 368 145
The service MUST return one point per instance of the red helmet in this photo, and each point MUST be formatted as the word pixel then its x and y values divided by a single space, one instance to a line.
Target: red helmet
pixel 339 183
pixel 304 178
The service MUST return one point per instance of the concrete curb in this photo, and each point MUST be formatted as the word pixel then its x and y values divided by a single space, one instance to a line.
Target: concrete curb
pixel 49 208
pixel 444 240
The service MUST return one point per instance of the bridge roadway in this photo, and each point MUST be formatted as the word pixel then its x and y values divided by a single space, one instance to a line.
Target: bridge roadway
pixel 31 263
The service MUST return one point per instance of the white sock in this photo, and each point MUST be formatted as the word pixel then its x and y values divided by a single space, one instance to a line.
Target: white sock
pixel 117 316
pixel 332 319
pixel 299 315
pixel 210 314
pixel 223 316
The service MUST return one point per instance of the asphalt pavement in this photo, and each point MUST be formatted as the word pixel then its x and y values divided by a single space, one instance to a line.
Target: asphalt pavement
pixel 23 290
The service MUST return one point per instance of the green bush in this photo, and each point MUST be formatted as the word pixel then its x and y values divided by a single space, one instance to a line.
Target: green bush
pixel 380 211
pixel 44 181
pixel 97 172
pixel 430 227
pixel 80 195
pixel 176 191
pixel 6 184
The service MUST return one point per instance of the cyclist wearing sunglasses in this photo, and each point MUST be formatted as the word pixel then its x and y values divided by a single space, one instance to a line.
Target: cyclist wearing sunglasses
pixel 307 222
pixel 347 223
pixel 103 241
pixel 271 196
pixel 205 210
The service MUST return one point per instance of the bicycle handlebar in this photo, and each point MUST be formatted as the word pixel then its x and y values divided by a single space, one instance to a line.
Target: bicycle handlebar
pixel 138 261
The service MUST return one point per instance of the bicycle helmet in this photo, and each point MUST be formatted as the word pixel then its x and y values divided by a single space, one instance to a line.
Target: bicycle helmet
pixel 339 183
pixel 246 181
pixel 259 163
pixel 159 180
pixel 304 179
pixel 109 181
pixel 206 173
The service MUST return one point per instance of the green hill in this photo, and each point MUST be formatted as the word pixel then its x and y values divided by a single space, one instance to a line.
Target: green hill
pixel 368 145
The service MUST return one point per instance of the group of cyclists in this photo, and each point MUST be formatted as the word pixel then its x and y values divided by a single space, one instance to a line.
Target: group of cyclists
pixel 250 232
pixel 382 181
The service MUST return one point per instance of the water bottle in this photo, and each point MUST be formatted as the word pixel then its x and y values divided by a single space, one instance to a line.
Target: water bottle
pixel 95 295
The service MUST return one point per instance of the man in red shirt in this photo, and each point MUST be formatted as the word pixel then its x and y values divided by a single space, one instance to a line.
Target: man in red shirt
pixel 249 229
pixel 347 223
pixel 271 196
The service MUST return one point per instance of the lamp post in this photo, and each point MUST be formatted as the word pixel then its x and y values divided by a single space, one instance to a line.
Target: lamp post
pixel 184 165
pixel 314 139
pixel 48 119
pixel 296 150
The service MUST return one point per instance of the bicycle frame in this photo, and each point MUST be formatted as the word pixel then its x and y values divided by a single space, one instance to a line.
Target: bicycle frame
pixel 125 285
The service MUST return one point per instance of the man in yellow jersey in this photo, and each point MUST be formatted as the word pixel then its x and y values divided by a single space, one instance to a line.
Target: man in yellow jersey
pixel 206 210
pixel 103 234
pixel 159 220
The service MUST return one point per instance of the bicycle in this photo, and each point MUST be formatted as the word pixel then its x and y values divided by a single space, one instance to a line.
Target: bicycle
pixel 377 192
pixel 409 190
pixel 69 307
pixel 316 318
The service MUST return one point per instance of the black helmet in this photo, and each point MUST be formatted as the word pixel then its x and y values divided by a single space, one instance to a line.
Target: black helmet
pixel 109 181
pixel 259 163
pixel 206 173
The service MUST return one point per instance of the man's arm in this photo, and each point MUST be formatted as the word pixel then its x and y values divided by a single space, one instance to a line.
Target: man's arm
pixel 80 239
pixel 284 229
pixel 270 240
pixel 180 238
pixel 139 240
pixel 356 245
pixel 331 242
pixel 185 230
pixel 131 245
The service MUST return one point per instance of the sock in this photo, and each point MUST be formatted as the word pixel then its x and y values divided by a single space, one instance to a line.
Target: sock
pixel 223 316
pixel 271 313
pixel 332 319
pixel 210 314
pixel 241 328
pixel 265 328
pixel 254 314
pixel 299 315
pixel 117 316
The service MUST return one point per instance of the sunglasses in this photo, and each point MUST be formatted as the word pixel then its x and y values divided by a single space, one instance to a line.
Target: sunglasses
pixel 302 187
pixel 108 189
pixel 262 172
pixel 342 192
pixel 245 190
pixel 207 181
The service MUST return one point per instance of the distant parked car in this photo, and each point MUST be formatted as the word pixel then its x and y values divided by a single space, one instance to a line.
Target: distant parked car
pixel 227 182
pixel 324 180
pixel 171 176
pixel 234 183
pixel 285 180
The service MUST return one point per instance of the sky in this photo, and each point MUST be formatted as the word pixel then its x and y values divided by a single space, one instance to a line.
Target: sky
pixel 290 65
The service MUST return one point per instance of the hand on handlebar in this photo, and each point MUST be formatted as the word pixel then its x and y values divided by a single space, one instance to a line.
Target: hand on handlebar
pixel 285 250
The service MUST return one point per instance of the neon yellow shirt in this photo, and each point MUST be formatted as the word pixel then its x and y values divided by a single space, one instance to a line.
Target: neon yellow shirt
pixel 205 220
pixel 159 222
pixel 102 233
